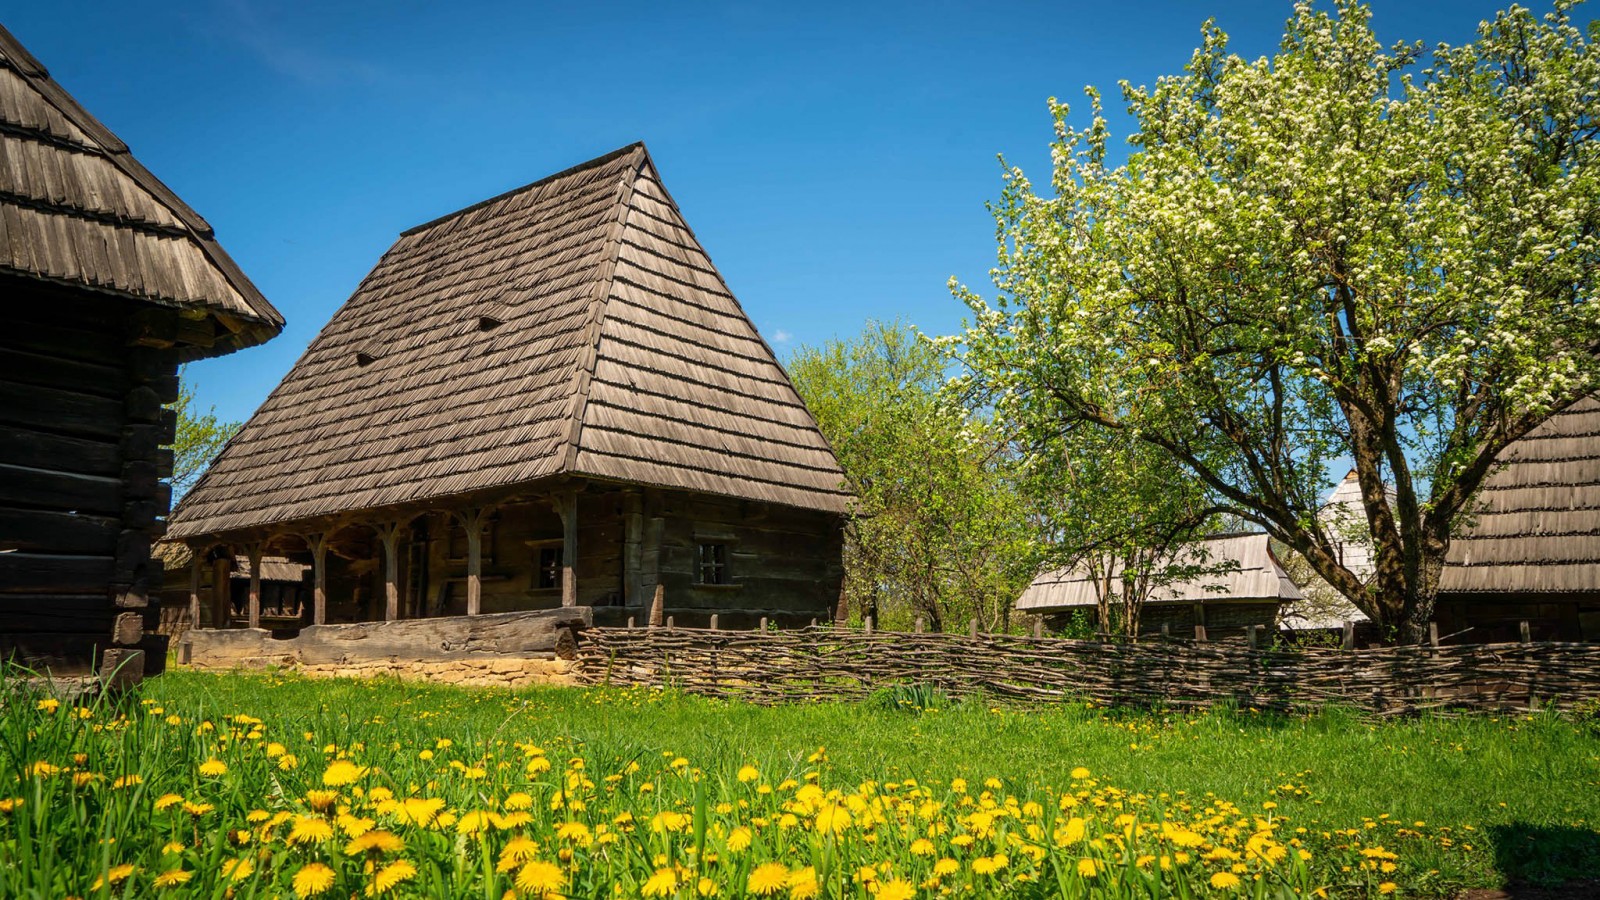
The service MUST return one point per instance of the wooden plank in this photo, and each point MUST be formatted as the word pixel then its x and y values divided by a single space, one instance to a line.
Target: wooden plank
pixel 53 531
pixel 51 370
pixel 57 411
pixel 30 573
pixel 59 453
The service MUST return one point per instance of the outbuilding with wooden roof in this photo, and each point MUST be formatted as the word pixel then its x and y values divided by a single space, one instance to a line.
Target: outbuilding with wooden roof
pixel 547 398
pixel 110 282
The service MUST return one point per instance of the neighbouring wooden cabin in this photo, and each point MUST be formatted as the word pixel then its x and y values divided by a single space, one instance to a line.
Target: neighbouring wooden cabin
pixel 1244 586
pixel 546 399
pixel 1532 551
pixel 110 282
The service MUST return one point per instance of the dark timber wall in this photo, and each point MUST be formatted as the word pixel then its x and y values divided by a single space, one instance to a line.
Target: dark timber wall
pixel 82 463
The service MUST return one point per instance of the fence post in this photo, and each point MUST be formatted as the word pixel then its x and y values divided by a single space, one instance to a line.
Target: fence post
pixel 866 624
pixel 1349 635
pixel 672 622
pixel 630 621
pixel 813 623
pixel 713 621
pixel 921 625
pixel 1433 635
pixel 1250 632
pixel 1166 631
pixel 1525 632
pixel 972 629
pixel 763 623
pixel 1038 627
pixel 658 606
pixel 1200 633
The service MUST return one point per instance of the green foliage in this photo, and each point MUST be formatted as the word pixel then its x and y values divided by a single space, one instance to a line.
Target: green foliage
pixel 200 436
pixel 1339 252
pixel 911 698
pixel 940 530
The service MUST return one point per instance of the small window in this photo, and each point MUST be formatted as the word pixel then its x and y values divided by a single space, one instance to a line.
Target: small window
pixel 489 323
pixel 364 358
pixel 549 567
pixel 713 563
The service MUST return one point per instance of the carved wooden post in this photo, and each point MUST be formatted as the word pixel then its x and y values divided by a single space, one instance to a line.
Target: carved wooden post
pixel 472 521
pixel 567 508
pixel 194 590
pixel 254 549
pixel 319 578
pixel 713 621
pixel 1433 635
pixel 389 534
pixel 221 592
pixel 972 630
pixel 1349 642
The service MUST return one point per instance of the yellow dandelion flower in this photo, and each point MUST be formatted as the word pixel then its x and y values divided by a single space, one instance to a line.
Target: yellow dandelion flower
pixel 238 869
pixel 663 883
pixel 213 767
pixel 946 866
pixel 739 839
pixel 832 819
pixel 1388 887
pixel 1080 773
pixel 574 832
pixel 167 801
pixel 115 875
pixel 312 879
pixel 197 809
pixel 922 847
pixel 48 704
pixel 748 774
pixel 342 772
pixel 518 800
pixel 769 878
pixel 171 847
pixel 803 884
pixel 172 878
pixel 668 821
pixel 475 822
pixel 127 781
pixel 389 877
pixel 1224 880
pixel 896 889
pixel 378 841
pixel 353 826
pixel 310 830
pixel 1088 868
pixel 288 762
pixel 517 851
pixel 539 877
pixel 419 810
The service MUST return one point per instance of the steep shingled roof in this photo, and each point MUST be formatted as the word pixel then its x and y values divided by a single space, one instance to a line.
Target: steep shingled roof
pixel 1537 526
pixel 77 209
pixel 570 327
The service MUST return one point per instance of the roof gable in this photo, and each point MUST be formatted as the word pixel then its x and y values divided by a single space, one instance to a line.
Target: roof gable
pixel 570 327
pixel 76 208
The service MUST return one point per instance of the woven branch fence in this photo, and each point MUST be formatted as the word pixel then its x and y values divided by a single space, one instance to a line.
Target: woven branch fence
pixel 825 663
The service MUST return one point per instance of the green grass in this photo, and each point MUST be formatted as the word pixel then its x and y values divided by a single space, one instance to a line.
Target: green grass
pixel 1500 798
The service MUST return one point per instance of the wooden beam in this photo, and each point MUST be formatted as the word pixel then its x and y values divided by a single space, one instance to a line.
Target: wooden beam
pixel 319 578
pixel 389 534
pixel 254 549
pixel 221 592
pixel 632 549
pixel 472 522
pixel 194 590
pixel 567 508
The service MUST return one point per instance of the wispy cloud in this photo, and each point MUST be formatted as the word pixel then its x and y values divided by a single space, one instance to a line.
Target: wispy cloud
pixel 265 30
pixel 781 337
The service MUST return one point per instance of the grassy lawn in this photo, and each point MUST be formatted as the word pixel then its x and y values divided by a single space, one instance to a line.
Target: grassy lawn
pixel 1221 804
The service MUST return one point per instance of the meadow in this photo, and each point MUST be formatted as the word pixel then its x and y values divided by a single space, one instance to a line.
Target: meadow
pixel 275 786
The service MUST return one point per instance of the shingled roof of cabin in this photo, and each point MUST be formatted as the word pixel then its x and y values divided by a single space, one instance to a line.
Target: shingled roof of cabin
pixel 574 326
pixel 77 209
pixel 1537 527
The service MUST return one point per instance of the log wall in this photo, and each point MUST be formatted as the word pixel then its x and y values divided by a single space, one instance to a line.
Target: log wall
pixel 83 463
pixel 827 663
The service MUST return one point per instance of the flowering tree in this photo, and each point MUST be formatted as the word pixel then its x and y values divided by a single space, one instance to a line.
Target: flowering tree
pixel 1341 253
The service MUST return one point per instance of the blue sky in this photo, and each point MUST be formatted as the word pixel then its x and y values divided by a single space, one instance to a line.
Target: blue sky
pixel 834 159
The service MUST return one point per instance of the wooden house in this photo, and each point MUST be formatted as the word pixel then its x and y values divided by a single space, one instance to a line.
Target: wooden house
pixel 1532 550
pixel 548 398
pixel 1243 585
pixel 110 281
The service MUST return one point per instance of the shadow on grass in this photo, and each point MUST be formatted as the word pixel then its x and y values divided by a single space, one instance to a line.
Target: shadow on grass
pixel 1547 862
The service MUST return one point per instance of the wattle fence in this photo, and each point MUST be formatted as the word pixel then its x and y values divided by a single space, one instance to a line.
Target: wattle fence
pixel 826 663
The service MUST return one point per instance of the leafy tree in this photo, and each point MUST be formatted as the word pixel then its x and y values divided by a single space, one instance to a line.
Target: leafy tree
pixel 939 530
pixel 1338 253
pixel 198 440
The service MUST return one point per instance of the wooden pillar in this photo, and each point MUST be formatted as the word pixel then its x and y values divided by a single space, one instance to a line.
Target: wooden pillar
pixel 221 592
pixel 567 508
pixel 319 578
pixel 658 606
pixel 254 549
pixel 389 534
pixel 472 522
pixel 194 590
pixel 632 549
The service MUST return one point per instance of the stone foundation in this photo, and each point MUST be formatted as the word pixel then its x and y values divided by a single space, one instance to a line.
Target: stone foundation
pixel 502 649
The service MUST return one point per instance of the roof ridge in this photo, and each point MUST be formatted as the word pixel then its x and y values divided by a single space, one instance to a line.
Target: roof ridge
pixel 601 300
pixel 590 164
